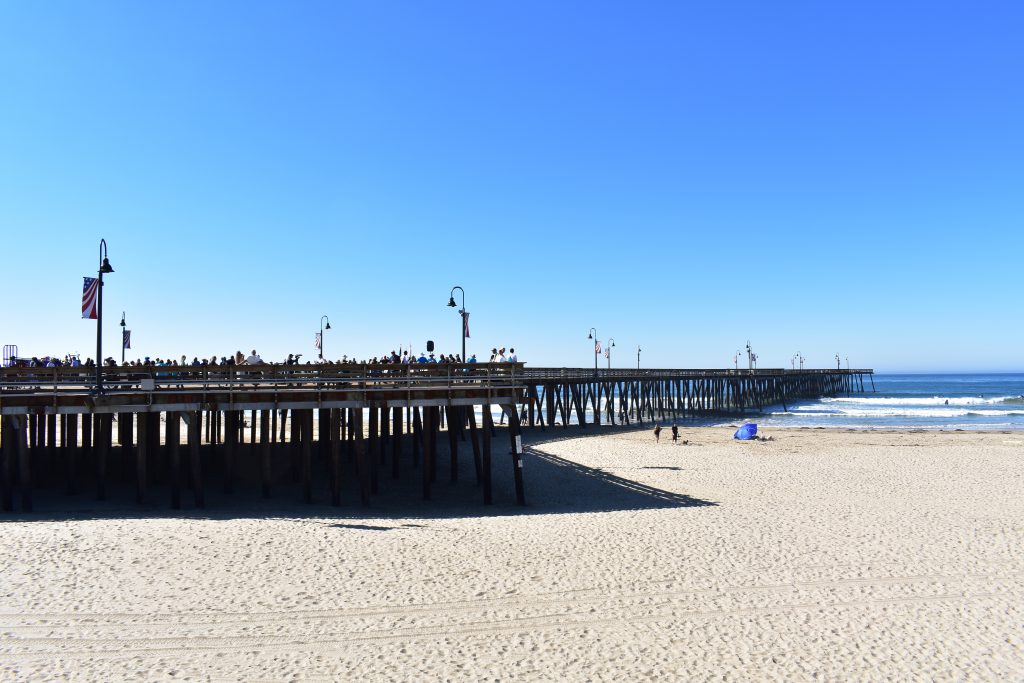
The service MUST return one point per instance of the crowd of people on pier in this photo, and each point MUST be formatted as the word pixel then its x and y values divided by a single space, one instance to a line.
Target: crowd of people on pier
pixel 239 358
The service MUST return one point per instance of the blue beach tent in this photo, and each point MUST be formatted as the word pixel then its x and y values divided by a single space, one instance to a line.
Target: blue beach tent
pixel 746 432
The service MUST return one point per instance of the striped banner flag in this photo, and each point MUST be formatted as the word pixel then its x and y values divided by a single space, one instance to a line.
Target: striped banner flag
pixel 465 324
pixel 597 347
pixel 608 352
pixel 90 297
pixel 126 339
pixel 316 341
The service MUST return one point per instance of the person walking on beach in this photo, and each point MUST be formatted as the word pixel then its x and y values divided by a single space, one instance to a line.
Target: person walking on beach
pixel 675 433
pixel 657 434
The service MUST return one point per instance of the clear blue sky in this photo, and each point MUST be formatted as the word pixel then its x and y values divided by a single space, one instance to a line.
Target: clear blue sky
pixel 811 176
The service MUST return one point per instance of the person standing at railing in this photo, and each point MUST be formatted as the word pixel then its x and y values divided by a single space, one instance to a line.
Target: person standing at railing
pixel 512 357
pixel 254 359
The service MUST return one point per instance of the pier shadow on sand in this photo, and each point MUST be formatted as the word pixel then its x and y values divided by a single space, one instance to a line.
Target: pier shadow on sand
pixel 553 485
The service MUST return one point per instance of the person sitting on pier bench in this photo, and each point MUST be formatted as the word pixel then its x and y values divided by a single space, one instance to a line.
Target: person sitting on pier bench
pixel 254 359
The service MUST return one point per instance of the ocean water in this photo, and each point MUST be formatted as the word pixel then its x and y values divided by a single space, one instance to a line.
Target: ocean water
pixel 980 401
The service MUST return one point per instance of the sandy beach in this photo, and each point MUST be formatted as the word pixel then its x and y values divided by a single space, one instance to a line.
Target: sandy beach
pixel 819 555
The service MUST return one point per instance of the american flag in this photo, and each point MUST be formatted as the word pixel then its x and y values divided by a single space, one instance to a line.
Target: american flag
pixel 90 297
pixel 597 347
pixel 465 324
pixel 126 339
pixel 316 341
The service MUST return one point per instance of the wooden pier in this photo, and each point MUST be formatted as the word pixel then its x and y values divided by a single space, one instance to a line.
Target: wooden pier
pixel 325 425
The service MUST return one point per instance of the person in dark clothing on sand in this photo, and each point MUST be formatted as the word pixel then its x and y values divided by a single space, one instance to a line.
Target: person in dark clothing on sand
pixel 675 433
pixel 657 434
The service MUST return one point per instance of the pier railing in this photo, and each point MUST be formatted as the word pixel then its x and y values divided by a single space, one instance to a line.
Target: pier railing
pixel 276 377
pixel 131 378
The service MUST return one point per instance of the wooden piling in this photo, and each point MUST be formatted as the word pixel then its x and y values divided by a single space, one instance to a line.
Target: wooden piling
pixel 396 440
pixel 172 435
pixel 141 454
pixel 8 452
pixel 335 449
pixel 229 449
pixel 194 434
pixel 307 455
pixel 101 427
pixel 428 430
pixel 487 425
pixel 417 433
pixel 474 438
pixel 24 465
pixel 372 447
pixel 71 447
pixel 453 444
pixel 362 461
pixel 517 459
pixel 266 439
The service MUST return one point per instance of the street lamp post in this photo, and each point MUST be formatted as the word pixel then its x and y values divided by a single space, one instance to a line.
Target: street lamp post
pixel 593 335
pixel 322 328
pixel 638 358
pixel 105 267
pixel 122 337
pixel 462 316
pixel 608 351
pixel 750 356
pixel 736 360
pixel 837 362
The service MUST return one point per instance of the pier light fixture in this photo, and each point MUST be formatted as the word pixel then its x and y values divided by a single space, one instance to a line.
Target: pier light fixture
pixel 122 336
pixel 597 345
pixel 736 360
pixel 105 267
pixel 638 358
pixel 322 328
pixel 608 351
pixel 463 323
pixel 837 362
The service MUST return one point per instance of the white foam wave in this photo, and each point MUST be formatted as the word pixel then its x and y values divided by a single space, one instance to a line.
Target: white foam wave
pixel 930 401
pixel 900 412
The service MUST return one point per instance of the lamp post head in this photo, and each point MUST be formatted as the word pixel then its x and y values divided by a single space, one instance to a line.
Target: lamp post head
pixel 105 267
pixel 328 325
pixel 613 343
pixel 122 320
pixel 590 336
pixel 451 302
